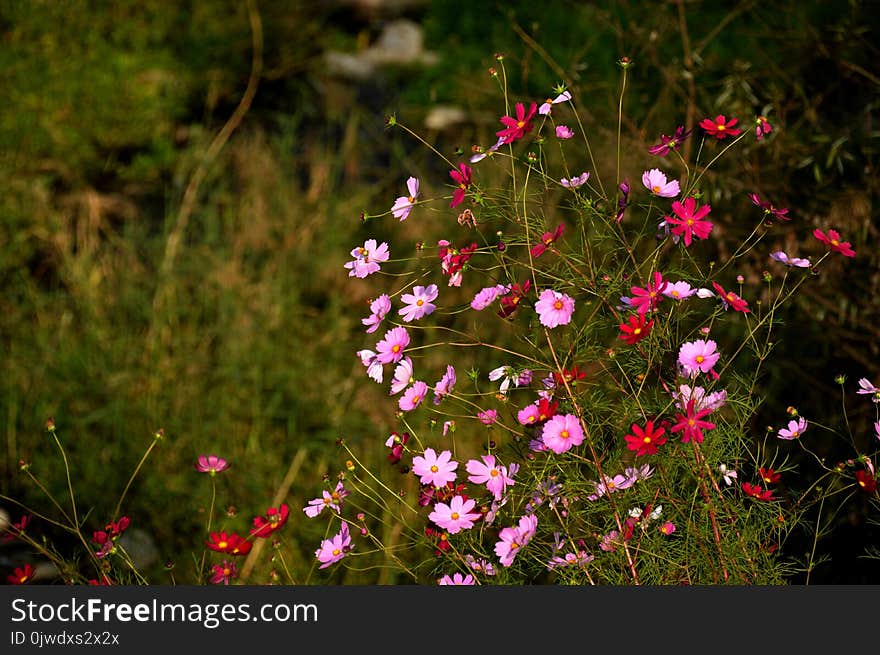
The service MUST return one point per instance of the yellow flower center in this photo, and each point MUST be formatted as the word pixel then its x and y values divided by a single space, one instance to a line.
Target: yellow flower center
pixel 699 359
pixel 454 516
pixel 520 124
pixel 362 251
pixel 557 304
pixel 395 348
pixel 227 571
pixel 637 331
pixel 411 200
pixel 494 473
pixel 655 188
pixel 647 439
pixel 564 434
pixel 420 302
pixel 434 469
pixel 336 552
pixel 24 578
pixel 721 128
pixel 222 544
pixel 835 242
pixel 690 222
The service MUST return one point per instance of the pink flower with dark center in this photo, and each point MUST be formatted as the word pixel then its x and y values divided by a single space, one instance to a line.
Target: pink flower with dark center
pixel 655 182
pixel 419 303
pixel 379 308
pixel 390 349
pixel 691 221
pixel 367 258
pixel 832 240
pixel 517 128
pixel 463 178
pixel 404 204
pixel 456 516
pixel 413 396
pixel 487 472
pixel 562 432
pixel 697 357
pixel 554 308
pixel 435 469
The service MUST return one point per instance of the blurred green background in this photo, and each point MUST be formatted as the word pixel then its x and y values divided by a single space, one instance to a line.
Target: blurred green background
pixel 182 183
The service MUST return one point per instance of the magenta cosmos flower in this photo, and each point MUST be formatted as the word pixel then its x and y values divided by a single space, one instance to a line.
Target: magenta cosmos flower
pixel 513 539
pixel 562 432
pixel 691 221
pixel 564 132
pixel 730 299
pixel 720 127
pixel 436 470
pixel 655 182
pixel 413 396
pixel 668 143
pixel 762 127
pixel 379 308
pixel 794 429
pixel 419 303
pixel 488 472
pixel 832 240
pixel 211 464
pixel 517 128
pixel 462 176
pixel 404 204
pixel 456 516
pixel 367 258
pixel 554 308
pixel 390 349
pixel 691 423
pixel 646 299
pixel 334 549
pixel 457 579
pixel 223 573
pixel 697 357
pixel 488 417
pixel 547 107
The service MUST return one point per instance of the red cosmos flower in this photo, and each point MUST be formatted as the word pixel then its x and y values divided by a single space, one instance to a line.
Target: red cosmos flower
pixel 17 528
pixel 731 299
pixel 105 581
pixel 546 409
pixel 645 441
pixel 231 544
pixel 757 492
pixel 462 177
pixel 646 299
pixel 22 575
pixel 517 128
pixel 668 143
pixel 769 476
pixel 636 329
pixel 511 301
pixel 720 128
pixel 692 423
pixel 833 241
pixel 866 481
pixel 762 127
pixel 571 375
pixel 274 519
pixel 769 209
pixel 397 441
pixel 452 260
pixel 691 221
pixel 441 540
pixel 547 239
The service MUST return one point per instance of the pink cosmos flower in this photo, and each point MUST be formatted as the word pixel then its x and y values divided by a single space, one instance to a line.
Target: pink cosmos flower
pixel 655 182
pixel 434 469
pixel 367 258
pixel 867 387
pixel 462 177
pixel 444 385
pixel 457 579
pixel 554 308
pixel 413 396
pixel 730 299
pixel 211 464
pixel 622 201
pixel 697 357
pixel 790 261
pixel 667 528
pixel 488 417
pixel 390 348
pixel 679 290
pixel 404 204
pixel 576 181
pixel 329 499
pixel 713 401
pixel 794 429
pixel 223 573
pixel 334 549
pixel 691 221
pixel 379 308
pixel 371 361
pixel 832 240
pixel 547 107
pixel 720 128
pixel 729 475
pixel 517 128
pixel 611 484
pixel 456 516
pixel 487 472
pixel 488 295
pixel 513 539
pixel 691 423
pixel 528 415
pixel 668 143
pixel 403 376
pixel 480 153
pixel 547 240
pixel 564 132
pixel 419 303
pixel 562 432
pixel 646 299
pixel 762 127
